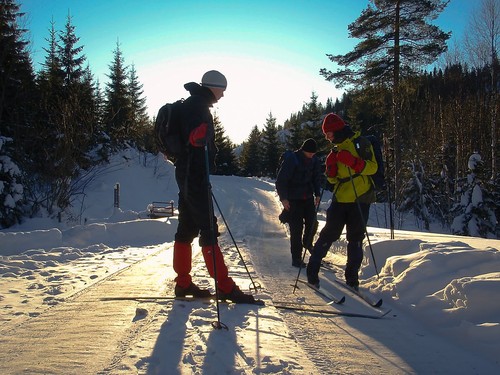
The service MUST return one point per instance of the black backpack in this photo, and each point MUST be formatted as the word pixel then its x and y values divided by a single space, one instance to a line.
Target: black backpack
pixel 379 177
pixel 168 129
pixel 285 155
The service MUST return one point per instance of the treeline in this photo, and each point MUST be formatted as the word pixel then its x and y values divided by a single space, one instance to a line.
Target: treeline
pixel 439 128
pixel 446 120
pixel 57 124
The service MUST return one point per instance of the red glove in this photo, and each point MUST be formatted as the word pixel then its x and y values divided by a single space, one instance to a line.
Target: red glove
pixel 331 164
pixel 346 158
pixel 198 136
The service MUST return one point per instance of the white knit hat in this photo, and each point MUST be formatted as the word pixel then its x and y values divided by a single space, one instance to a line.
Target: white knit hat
pixel 213 78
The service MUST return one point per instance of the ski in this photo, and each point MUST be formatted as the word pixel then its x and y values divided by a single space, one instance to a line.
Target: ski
pixel 332 312
pixel 325 293
pixel 367 299
pixel 175 298
pixel 329 266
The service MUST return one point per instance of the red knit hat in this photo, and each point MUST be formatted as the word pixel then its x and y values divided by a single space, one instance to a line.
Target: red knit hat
pixel 332 123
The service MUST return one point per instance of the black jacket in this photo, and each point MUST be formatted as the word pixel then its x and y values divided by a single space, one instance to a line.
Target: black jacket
pixel 299 177
pixel 197 112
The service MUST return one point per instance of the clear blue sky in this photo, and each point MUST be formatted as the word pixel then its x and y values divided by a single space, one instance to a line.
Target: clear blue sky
pixel 270 51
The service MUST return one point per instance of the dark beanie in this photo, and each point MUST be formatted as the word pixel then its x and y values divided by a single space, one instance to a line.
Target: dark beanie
pixel 309 145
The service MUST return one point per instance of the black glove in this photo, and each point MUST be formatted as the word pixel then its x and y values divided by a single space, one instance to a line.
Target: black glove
pixel 284 216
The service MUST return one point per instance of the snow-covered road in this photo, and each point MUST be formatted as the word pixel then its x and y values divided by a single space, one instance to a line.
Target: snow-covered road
pixel 393 345
pixel 82 334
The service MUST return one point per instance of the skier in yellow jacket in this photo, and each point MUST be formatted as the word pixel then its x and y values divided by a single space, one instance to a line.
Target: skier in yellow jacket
pixel 348 169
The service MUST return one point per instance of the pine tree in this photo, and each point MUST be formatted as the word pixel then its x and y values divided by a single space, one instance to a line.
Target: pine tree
pixel 70 58
pixel 226 160
pixel 79 111
pixel 17 95
pixel 329 106
pixel 271 148
pixel 251 155
pixel 50 81
pixel 92 103
pixel 50 77
pixel 117 109
pixel 396 38
pixel 141 125
pixel 294 129
pixel 312 119
pixel 16 73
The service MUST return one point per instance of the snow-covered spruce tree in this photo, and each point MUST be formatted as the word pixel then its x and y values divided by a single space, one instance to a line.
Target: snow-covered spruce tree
pixel 11 191
pixel 415 194
pixel 473 215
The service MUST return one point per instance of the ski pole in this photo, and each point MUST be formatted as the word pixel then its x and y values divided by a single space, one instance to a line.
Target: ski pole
pixel 255 286
pixel 218 324
pixel 364 221
pixel 311 236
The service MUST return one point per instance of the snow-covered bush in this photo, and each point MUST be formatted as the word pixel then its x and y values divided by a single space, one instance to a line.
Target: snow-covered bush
pixel 416 195
pixel 11 191
pixel 474 216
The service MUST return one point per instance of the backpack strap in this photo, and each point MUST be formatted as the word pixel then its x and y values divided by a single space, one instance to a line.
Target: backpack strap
pixel 362 146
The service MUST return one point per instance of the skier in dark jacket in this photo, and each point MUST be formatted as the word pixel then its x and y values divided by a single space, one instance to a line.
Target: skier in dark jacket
pixel 299 185
pixel 193 183
pixel 348 169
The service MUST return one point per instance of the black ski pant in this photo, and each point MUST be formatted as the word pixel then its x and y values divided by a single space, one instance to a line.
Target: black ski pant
pixel 302 220
pixel 339 215
pixel 194 209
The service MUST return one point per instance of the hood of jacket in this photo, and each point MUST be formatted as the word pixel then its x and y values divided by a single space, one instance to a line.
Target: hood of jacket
pixel 198 90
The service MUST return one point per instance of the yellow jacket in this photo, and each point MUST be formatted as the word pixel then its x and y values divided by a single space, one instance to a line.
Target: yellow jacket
pixel 363 184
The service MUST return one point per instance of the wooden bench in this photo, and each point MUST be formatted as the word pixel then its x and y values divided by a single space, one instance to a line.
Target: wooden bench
pixel 161 209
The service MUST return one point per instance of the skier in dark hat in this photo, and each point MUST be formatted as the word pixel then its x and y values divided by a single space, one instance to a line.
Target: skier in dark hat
pixel 299 186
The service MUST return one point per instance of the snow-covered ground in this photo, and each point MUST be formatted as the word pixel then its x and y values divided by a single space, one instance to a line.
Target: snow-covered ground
pixel 443 292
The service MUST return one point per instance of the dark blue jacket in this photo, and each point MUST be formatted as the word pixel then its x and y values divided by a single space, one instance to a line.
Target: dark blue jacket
pixel 299 177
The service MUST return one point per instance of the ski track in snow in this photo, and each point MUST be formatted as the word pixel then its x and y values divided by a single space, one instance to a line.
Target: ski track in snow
pixel 334 348
pixel 332 353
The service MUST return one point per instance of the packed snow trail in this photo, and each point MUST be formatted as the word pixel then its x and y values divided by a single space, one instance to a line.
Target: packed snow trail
pixel 82 334
pixel 345 345
pixel 85 335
